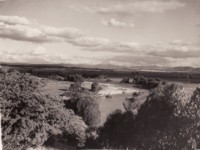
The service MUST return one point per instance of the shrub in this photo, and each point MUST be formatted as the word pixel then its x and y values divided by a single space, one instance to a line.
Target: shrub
pixel 29 118
pixel 161 123
pixel 117 131
pixel 87 107
pixel 108 80
pixel 56 77
pixel 167 120
pixel 148 83
pixel 132 104
pixel 95 87
pixel 125 80
pixel 76 87
pixel 75 78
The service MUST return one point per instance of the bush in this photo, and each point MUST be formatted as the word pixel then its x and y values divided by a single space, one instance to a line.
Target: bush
pixel 95 87
pixel 167 120
pixel 130 103
pixel 85 106
pixel 116 132
pixel 88 108
pixel 76 87
pixel 108 80
pixel 148 83
pixel 75 78
pixel 29 118
pixel 56 77
pixel 161 122
pixel 125 80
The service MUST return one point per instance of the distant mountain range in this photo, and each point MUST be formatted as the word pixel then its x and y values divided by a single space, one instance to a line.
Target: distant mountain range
pixel 109 66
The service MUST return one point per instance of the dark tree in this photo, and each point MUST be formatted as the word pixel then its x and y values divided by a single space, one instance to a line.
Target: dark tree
pixel 95 87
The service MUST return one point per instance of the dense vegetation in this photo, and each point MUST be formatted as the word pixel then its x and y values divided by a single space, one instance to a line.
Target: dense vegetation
pixel 30 118
pixel 167 120
pixel 88 108
pixel 144 82
pixel 74 78
pixel 49 70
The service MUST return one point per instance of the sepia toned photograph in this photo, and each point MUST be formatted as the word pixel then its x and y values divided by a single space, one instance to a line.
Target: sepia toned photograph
pixel 99 74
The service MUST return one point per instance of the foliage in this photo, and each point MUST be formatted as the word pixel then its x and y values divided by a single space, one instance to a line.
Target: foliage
pixel 30 118
pixel 167 120
pixel 87 107
pixel 159 123
pixel 145 82
pixel 56 77
pixel 108 80
pixel 75 78
pixel 129 103
pixel 117 130
pixel 125 80
pixel 95 87
pixel 76 87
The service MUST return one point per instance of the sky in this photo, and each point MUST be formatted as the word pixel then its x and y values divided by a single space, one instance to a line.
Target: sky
pixel 128 33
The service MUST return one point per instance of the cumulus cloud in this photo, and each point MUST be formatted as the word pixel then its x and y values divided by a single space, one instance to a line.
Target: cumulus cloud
pixel 37 55
pixel 176 50
pixel 21 29
pixel 145 6
pixel 116 23
pixel 90 42
pixel 14 20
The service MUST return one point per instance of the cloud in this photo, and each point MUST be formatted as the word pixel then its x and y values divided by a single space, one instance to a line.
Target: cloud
pixel 176 50
pixel 21 29
pixel 38 51
pixel 137 60
pixel 117 48
pixel 130 8
pixel 146 60
pixel 37 55
pixel 12 20
pixel 40 54
pixel 116 23
pixel 89 42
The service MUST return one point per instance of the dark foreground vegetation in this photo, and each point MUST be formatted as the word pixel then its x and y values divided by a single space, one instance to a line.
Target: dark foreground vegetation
pixel 29 118
pixel 168 119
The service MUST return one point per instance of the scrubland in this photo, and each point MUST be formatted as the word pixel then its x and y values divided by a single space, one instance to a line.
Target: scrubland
pixel 76 112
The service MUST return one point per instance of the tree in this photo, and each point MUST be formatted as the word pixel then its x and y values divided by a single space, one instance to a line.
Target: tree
pixel 30 118
pixel 161 123
pixel 125 80
pixel 130 104
pixel 75 78
pixel 88 108
pixel 167 120
pixel 95 87
pixel 117 130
